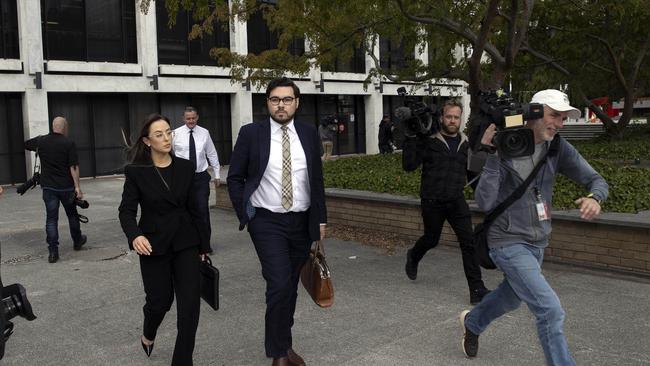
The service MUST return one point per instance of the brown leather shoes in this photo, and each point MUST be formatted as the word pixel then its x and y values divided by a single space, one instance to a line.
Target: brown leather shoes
pixel 281 361
pixel 294 358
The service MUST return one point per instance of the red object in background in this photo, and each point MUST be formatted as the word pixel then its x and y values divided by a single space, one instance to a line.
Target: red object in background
pixel 603 102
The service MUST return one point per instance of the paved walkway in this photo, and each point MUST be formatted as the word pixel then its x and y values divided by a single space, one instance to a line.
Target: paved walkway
pixel 89 303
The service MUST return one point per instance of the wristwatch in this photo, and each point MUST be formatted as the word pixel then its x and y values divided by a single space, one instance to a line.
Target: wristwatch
pixel 591 195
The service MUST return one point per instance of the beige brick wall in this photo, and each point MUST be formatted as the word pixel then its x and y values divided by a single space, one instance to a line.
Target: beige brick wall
pixel 592 244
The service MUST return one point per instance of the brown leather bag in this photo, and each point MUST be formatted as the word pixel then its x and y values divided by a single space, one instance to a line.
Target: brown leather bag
pixel 316 278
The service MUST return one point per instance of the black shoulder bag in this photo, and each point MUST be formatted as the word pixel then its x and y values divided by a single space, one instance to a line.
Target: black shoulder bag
pixel 480 230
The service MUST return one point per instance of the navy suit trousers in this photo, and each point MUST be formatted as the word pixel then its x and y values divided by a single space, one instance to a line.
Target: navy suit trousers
pixel 282 243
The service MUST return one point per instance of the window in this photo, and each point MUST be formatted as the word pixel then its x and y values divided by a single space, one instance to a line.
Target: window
pixel 12 151
pixel 89 30
pixel 9 29
pixel 394 56
pixel 356 64
pixel 260 37
pixel 173 45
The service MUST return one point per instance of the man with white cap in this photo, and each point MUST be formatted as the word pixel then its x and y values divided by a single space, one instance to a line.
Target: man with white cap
pixel 518 236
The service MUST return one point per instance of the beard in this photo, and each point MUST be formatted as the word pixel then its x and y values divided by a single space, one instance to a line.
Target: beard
pixel 449 130
pixel 284 119
pixel 542 133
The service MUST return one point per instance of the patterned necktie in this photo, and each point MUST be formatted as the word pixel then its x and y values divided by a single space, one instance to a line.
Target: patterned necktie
pixel 287 189
pixel 192 148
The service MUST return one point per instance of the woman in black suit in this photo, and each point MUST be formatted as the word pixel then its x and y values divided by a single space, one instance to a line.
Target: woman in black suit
pixel 171 238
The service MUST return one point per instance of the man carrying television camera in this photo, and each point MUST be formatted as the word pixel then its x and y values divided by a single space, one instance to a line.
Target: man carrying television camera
pixel 443 156
pixel 60 182
pixel 518 236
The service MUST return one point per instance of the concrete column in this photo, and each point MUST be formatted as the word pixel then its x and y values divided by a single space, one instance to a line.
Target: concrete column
pixel 241 108
pixel 35 110
pixel 241 103
pixel 238 35
pixel 147 38
pixel 30 37
pixel 465 99
pixel 374 107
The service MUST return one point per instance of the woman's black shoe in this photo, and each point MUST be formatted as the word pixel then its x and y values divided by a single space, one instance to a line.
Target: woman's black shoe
pixel 147 348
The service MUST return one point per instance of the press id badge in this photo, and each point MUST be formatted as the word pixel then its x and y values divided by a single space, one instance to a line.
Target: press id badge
pixel 543 213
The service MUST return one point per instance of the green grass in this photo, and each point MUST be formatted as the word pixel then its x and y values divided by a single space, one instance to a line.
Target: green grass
pixel 629 185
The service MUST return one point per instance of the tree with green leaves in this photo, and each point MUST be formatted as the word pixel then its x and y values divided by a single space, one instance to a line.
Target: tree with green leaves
pixel 599 47
pixel 475 41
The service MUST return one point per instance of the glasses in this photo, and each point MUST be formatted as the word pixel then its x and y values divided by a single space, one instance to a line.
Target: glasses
pixel 161 135
pixel 285 100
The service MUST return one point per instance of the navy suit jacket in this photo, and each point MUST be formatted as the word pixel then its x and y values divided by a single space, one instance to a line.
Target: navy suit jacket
pixel 250 158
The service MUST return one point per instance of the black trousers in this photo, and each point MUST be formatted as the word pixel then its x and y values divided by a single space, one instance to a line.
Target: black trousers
pixel 456 212
pixel 282 243
pixel 201 189
pixel 166 275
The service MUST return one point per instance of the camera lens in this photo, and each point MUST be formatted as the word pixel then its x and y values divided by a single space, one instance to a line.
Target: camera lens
pixel 15 303
pixel 515 142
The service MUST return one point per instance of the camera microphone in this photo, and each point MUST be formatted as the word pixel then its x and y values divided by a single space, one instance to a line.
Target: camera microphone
pixel 402 113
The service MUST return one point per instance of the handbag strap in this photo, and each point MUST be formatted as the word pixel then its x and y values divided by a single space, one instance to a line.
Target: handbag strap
pixel 319 247
pixel 552 150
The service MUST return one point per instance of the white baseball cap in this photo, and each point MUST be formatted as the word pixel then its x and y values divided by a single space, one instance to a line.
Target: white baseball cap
pixel 556 100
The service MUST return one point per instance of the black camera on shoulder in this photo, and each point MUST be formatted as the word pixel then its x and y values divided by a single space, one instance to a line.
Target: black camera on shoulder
pixel 415 118
pixel 512 138
pixel 30 184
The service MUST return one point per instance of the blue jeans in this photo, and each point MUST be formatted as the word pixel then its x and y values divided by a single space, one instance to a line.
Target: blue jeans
pixel 523 281
pixel 52 198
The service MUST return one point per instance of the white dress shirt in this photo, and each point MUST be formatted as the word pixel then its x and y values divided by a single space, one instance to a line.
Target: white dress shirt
pixel 205 150
pixel 269 193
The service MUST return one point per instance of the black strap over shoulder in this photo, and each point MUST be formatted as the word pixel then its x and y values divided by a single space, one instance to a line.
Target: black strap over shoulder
pixel 552 151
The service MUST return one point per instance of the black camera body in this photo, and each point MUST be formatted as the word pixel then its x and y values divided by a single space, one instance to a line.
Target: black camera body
pixel 30 184
pixel 415 118
pixel 81 203
pixel 13 302
pixel 512 139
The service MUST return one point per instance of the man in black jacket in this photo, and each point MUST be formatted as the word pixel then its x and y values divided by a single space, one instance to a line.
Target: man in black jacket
pixel 443 156
pixel 60 183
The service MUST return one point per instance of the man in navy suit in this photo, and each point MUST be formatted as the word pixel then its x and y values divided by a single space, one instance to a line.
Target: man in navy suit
pixel 275 182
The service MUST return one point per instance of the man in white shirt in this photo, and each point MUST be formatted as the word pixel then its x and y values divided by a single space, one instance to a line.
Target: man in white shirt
pixel 193 142
pixel 275 182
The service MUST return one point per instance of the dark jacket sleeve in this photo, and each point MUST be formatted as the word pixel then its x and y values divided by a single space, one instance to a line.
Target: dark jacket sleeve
pixel 411 154
pixel 128 210
pixel 32 144
pixel 238 170
pixel 197 218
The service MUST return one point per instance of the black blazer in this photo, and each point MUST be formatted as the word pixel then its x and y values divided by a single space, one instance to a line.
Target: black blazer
pixel 248 163
pixel 168 217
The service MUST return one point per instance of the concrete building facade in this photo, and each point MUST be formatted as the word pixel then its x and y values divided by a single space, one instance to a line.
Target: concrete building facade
pixel 105 65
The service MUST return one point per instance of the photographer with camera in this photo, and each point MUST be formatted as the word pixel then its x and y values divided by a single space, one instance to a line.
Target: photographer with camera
pixel 59 180
pixel 443 156
pixel 518 236
pixel 385 136
pixel 326 130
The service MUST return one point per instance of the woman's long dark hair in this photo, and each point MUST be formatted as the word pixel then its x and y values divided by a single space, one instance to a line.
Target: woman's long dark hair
pixel 138 152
